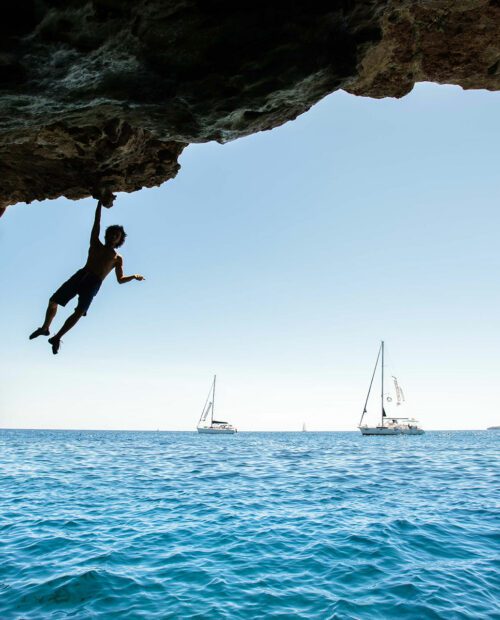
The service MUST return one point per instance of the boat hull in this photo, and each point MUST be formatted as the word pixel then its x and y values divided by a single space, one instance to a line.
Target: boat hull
pixel 385 430
pixel 217 431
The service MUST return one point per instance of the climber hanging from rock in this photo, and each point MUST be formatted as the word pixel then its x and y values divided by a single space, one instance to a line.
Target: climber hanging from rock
pixel 85 283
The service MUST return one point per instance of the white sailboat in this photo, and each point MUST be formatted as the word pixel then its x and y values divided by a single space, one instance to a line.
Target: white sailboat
pixel 207 424
pixel 389 425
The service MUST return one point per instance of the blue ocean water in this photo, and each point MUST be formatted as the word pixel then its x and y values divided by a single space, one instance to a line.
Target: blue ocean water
pixel 255 525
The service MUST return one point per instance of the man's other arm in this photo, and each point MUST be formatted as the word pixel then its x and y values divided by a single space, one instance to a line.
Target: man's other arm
pixel 119 273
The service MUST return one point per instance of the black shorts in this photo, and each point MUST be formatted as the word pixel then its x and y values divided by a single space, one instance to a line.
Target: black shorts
pixel 83 283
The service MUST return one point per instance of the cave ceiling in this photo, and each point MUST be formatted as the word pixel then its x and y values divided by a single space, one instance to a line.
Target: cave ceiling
pixel 109 92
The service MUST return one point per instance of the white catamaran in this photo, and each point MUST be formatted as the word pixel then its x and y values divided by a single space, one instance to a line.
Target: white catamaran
pixel 207 424
pixel 389 425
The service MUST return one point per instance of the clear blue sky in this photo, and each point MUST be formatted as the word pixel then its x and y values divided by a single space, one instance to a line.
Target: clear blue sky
pixel 278 261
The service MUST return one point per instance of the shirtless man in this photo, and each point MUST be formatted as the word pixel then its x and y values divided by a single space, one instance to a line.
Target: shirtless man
pixel 85 283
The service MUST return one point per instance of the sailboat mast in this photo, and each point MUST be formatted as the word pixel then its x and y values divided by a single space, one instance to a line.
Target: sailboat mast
pixel 206 406
pixel 370 388
pixel 213 401
pixel 382 393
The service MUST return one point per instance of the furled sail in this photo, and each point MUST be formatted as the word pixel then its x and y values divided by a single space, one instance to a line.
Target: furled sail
pixel 400 397
pixel 206 412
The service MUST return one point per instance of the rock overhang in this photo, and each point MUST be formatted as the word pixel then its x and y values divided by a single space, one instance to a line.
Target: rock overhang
pixel 109 92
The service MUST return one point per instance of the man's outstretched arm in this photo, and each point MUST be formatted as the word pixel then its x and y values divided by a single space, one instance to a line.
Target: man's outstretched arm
pixel 106 199
pixel 119 273
pixel 96 228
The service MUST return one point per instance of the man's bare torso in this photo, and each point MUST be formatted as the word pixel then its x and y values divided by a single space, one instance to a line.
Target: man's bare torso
pixel 101 259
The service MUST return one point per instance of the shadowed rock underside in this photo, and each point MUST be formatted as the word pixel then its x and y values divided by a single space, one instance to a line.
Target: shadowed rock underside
pixel 109 92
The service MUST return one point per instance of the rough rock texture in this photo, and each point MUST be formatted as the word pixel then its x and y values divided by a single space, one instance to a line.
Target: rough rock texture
pixel 445 41
pixel 109 92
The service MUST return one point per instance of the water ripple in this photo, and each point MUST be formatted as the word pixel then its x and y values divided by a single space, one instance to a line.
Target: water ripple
pixel 292 525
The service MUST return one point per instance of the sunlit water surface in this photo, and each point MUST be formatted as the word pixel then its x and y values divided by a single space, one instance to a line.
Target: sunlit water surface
pixel 256 525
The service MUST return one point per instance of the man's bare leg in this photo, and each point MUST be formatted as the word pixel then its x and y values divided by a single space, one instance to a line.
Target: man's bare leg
pixel 70 322
pixel 49 317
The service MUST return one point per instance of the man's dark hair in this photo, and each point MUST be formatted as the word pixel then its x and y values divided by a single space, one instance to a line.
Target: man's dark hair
pixel 113 228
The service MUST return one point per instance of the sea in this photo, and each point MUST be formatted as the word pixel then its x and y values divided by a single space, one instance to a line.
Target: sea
pixel 254 525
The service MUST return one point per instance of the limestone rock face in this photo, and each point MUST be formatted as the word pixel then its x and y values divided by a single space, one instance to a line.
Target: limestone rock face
pixel 109 92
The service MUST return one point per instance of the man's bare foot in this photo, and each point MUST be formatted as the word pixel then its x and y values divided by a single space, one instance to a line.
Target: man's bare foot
pixel 55 343
pixel 39 332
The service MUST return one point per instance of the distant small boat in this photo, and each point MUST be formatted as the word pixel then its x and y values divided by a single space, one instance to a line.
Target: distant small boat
pixel 207 424
pixel 304 429
pixel 493 428
pixel 388 425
